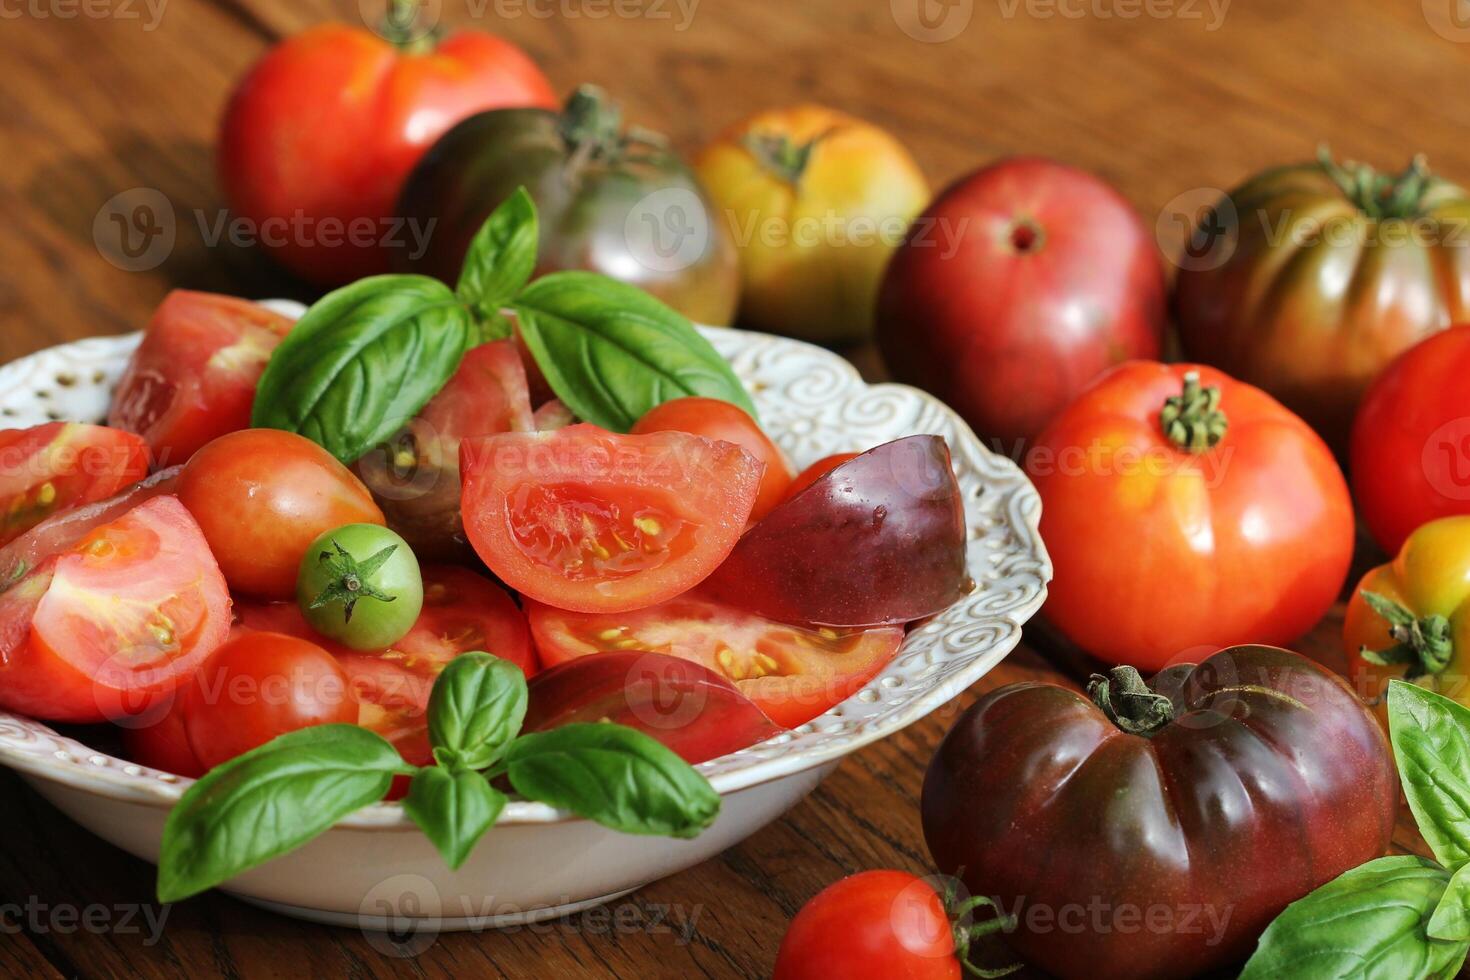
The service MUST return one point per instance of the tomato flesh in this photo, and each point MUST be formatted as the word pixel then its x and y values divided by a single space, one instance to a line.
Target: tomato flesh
pixel 52 468
pixel 791 673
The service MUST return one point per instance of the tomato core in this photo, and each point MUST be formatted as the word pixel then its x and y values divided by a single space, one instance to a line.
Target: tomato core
pixel 571 528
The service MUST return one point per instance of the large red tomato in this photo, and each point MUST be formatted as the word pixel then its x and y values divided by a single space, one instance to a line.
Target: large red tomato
pixel 1015 289
pixel 321 134
pixel 48 469
pixel 193 377
pixel 1411 441
pixel 1184 511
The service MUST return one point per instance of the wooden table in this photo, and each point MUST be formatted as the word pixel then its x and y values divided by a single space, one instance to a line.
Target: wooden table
pixel 120 94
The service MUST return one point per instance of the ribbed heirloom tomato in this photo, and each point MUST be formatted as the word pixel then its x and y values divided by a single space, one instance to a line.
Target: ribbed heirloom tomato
pixel 1185 511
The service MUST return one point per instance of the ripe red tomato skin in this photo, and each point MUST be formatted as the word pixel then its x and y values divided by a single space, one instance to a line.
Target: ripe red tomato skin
pixel 327 125
pixel 716 419
pixel 72 463
pixel 1006 335
pixel 817 470
pixel 259 686
pixel 261 497
pixel 1172 553
pixel 1205 815
pixel 877 925
pixel 163 744
pixel 1410 450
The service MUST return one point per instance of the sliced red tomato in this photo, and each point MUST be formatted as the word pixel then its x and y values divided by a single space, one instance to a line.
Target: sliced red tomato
pixel 117 622
pixel 415 477
pixel 792 674
pixel 690 709
pixel 52 468
pixel 193 378
pixel 593 521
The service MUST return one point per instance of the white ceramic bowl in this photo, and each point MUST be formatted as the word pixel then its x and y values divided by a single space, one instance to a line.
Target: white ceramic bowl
pixel 376 870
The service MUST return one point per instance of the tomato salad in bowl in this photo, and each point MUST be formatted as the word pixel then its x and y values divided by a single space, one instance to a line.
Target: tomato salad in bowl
pixel 366 567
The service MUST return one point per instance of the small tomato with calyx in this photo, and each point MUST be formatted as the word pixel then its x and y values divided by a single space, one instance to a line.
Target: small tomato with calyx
pixel 816 201
pixel 1184 510
pixel 1202 804
pixel 1411 617
pixel 360 585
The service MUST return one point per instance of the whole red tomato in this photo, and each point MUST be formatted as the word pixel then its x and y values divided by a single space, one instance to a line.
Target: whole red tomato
pixel 1153 831
pixel 1016 288
pixel 1411 441
pixel 1183 511
pixel 319 137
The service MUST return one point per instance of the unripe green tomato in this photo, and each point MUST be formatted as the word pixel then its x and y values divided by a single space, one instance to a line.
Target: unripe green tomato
pixel 361 586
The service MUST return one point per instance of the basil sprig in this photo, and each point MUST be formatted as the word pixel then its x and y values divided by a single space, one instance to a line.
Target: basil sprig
pixel 368 357
pixel 1399 916
pixel 277 797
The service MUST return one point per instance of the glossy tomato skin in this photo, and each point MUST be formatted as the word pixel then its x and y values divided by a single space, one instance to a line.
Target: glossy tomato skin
pixel 1310 298
pixel 193 377
pixel 791 673
pixel 595 199
pixel 162 743
pixel 1271 780
pixel 1014 289
pixel 817 470
pixel 259 686
pixel 593 521
pixel 1410 451
pixel 813 243
pixel 109 627
pixel 49 469
pixel 879 540
pixel 693 711
pixel 415 478
pixel 262 497
pixel 716 419
pixel 1160 553
pixel 320 135
pixel 877 925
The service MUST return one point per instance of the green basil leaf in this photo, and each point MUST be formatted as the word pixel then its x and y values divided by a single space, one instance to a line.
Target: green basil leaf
pixel 1431 744
pixel 363 361
pixel 453 809
pixel 614 775
pixel 1451 918
pixel 476 709
pixel 269 801
pixel 1368 922
pixel 500 259
pixel 611 352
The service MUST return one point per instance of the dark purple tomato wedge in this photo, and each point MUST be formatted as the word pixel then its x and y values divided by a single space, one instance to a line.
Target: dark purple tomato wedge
pixel 878 540
pixel 690 709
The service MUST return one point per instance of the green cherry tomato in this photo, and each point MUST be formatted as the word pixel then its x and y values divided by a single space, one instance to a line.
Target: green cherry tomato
pixel 360 585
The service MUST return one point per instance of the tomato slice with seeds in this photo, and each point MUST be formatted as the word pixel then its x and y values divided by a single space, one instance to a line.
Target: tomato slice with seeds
pixel 793 674
pixel 193 378
pixel 48 469
pixel 593 521
pixel 117 622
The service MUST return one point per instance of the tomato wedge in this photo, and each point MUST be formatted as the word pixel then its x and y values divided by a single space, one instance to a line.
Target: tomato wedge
pixel 117 622
pixel 592 521
pixel 792 674
pixel 193 378
pixel 415 477
pixel 52 468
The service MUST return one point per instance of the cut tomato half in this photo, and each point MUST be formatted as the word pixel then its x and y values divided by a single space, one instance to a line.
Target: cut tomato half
pixel 52 468
pixel 593 521
pixel 792 674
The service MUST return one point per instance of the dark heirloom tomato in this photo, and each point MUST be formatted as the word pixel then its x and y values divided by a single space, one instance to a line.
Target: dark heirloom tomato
pixel 693 711
pixel 878 540
pixel 624 206
pixel 592 521
pixel 52 468
pixel 1202 808
pixel 1308 280
pixel 415 478
pixel 193 378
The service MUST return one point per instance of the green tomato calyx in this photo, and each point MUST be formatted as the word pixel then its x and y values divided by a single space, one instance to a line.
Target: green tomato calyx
pixel 780 156
pixel 1193 419
pixel 1425 644
pixel 1380 195
pixel 350 580
pixel 1127 701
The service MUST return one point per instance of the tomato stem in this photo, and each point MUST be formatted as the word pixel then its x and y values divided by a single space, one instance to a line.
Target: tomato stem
pixel 349 579
pixel 965 934
pixel 400 28
pixel 591 124
pixel 1380 195
pixel 1193 420
pixel 779 155
pixel 1424 644
pixel 1129 703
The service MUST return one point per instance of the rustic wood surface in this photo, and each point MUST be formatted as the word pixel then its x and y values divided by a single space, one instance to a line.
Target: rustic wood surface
pixel 1163 98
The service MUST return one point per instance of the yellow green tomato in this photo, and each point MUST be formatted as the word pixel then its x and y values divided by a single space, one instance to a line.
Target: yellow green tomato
pixel 361 586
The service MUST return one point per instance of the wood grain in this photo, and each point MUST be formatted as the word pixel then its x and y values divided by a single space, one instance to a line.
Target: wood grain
pixel 91 107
